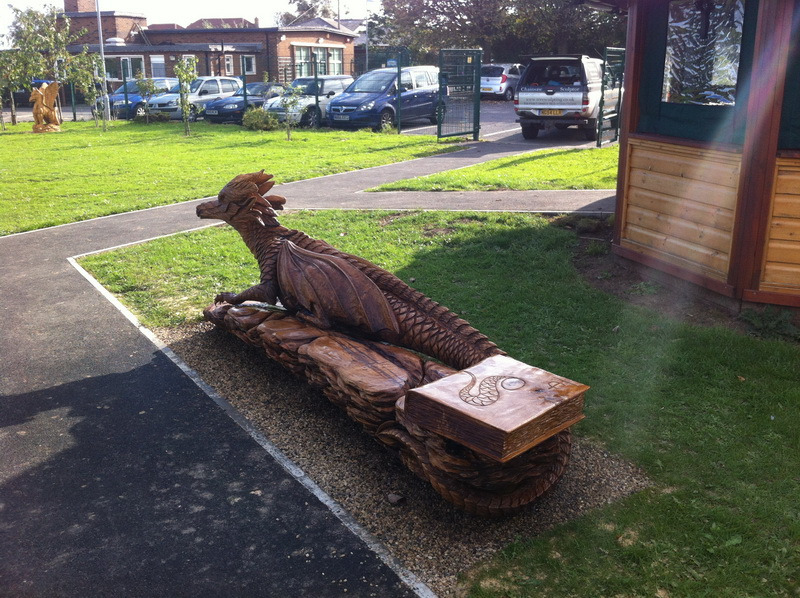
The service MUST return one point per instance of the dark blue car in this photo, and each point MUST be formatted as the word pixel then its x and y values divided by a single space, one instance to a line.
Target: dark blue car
pixel 231 109
pixel 135 102
pixel 371 100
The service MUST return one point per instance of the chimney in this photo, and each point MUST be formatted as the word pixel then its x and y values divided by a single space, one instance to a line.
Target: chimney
pixel 256 22
pixel 79 6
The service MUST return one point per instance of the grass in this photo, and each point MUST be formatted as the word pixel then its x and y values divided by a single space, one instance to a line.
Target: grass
pixel 549 169
pixel 84 173
pixel 712 416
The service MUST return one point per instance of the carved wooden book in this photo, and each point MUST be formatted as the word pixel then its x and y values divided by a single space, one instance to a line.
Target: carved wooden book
pixel 500 407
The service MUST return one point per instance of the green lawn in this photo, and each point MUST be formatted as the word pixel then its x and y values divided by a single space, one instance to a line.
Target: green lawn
pixel 83 173
pixel 712 416
pixel 546 169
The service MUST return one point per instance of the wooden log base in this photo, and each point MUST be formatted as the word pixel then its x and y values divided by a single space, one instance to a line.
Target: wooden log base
pixel 370 381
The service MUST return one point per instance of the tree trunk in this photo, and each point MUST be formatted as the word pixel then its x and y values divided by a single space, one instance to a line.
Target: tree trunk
pixel 13 108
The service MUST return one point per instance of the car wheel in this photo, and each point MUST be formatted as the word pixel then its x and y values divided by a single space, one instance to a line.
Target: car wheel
pixel 591 132
pixel 441 110
pixel 530 131
pixel 192 114
pixel 509 94
pixel 386 119
pixel 311 118
pixel 139 110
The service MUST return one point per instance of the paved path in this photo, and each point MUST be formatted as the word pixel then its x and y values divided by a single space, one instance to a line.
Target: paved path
pixel 121 477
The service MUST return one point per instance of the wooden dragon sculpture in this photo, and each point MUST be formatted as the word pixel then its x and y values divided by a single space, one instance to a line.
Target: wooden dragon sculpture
pixel 45 117
pixel 337 306
pixel 332 289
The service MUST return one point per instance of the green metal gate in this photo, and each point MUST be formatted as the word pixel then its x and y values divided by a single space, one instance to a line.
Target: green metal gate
pixel 611 100
pixel 459 111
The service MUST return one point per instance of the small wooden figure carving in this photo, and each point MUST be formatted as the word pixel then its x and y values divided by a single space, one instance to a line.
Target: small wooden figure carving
pixel 45 117
pixel 490 438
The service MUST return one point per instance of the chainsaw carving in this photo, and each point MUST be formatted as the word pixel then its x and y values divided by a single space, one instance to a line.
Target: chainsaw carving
pixel 45 117
pixel 368 340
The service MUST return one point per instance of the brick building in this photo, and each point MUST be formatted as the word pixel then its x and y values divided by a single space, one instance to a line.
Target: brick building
pixel 221 46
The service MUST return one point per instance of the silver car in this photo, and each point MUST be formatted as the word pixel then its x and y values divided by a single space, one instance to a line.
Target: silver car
pixel 308 108
pixel 201 91
pixel 500 79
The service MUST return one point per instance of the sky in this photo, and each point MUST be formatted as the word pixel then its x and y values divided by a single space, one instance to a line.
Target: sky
pixel 183 13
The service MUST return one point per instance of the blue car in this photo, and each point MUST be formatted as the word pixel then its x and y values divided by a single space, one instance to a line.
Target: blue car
pixel 231 109
pixel 371 100
pixel 135 104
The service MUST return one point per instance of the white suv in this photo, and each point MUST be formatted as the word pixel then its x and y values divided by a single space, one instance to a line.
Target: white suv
pixel 201 91
pixel 562 91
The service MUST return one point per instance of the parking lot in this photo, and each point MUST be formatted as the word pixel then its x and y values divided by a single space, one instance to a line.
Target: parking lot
pixel 498 123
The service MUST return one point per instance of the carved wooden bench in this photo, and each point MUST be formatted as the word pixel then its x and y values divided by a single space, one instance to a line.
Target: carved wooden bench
pixel 490 434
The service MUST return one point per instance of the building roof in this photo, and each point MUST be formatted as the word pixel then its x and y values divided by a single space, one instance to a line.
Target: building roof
pixel 232 23
pixel 109 49
pixel 325 23
pixel 164 27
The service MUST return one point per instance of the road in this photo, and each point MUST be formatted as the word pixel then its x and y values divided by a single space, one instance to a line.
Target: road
pixel 498 123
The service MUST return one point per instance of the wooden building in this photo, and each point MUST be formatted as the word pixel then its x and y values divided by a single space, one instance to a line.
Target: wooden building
pixel 709 179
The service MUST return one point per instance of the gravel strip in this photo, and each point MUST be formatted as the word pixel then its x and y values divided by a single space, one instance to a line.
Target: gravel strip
pixel 429 536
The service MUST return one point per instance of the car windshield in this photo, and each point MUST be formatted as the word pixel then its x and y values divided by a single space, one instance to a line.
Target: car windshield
pixel 130 87
pixel 491 71
pixel 253 89
pixel 553 73
pixel 307 86
pixel 372 82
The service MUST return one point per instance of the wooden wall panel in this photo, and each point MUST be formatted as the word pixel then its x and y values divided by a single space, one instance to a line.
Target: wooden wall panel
pixel 679 205
pixel 781 269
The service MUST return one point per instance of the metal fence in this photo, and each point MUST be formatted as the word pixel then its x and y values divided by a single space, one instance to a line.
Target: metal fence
pixel 459 93
pixel 611 99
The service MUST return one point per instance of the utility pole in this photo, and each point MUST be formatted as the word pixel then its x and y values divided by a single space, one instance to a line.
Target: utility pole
pixel 106 107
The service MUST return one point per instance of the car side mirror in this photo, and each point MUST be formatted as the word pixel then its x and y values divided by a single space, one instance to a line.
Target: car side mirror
pixel 203 92
pixel 331 94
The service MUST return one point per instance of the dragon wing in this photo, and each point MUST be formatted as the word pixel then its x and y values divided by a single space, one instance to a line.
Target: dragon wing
pixel 335 292
pixel 50 92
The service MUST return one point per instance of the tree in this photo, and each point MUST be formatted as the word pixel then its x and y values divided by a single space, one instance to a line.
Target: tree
pixel 426 24
pixel 305 10
pixel 289 102
pixel 147 87
pixel 82 71
pixel 506 30
pixel 564 27
pixel 39 41
pixel 186 72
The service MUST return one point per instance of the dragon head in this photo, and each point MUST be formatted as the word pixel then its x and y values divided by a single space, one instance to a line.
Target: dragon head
pixel 244 200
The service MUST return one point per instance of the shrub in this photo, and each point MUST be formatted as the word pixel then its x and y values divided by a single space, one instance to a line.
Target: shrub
pixel 155 117
pixel 256 119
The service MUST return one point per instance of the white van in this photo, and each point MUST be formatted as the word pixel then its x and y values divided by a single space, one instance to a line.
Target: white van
pixel 562 91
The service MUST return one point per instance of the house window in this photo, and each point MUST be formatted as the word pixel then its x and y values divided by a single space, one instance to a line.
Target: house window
pixel 704 42
pixel 249 64
pixel 228 64
pixel 158 68
pixel 302 61
pixel 335 61
pixel 119 67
